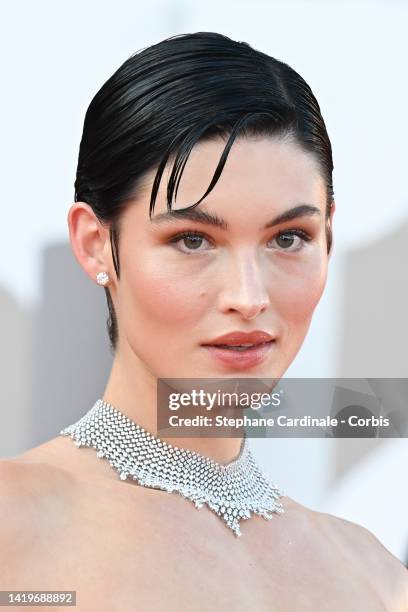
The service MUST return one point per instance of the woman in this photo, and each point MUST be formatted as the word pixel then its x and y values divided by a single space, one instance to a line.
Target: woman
pixel 243 248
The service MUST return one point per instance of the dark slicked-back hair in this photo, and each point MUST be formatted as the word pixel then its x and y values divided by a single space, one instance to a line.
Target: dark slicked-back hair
pixel 171 95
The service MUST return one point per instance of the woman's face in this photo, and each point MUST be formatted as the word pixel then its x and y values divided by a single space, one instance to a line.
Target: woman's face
pixel 176 294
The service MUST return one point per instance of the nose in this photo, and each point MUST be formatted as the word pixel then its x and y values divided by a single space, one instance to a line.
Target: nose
pixel 244 289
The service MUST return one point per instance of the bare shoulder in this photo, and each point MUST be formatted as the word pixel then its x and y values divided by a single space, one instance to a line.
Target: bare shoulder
pixel 22 479
pixel 365 551
pixel 32 502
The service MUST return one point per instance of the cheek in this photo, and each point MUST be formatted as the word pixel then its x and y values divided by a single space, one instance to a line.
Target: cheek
pixel 162 297
pixel 300 292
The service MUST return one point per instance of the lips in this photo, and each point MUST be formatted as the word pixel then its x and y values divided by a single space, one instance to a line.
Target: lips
pixel 240 359
pixel 254 347
pixel 239 338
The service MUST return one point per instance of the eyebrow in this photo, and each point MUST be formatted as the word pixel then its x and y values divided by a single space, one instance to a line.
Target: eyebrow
pixel 201 216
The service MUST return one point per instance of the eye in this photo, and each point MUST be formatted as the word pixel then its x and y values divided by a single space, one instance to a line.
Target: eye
pixel 287 239
pixel 190 240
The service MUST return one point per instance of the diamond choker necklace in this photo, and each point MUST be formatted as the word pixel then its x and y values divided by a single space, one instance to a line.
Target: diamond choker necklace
pixel 232 490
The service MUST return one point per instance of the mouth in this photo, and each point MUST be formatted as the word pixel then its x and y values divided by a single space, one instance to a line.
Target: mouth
pixel 240 356
pixel 239 347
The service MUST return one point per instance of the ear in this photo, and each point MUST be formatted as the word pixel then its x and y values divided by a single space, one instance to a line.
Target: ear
pixel 90 240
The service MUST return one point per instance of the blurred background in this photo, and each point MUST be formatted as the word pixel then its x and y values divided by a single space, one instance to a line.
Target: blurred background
pixel 54 353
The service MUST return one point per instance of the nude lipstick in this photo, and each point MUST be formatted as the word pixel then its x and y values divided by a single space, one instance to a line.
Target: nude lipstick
pixel 239 349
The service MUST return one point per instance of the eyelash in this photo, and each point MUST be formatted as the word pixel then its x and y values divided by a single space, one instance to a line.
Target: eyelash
pixel 291 232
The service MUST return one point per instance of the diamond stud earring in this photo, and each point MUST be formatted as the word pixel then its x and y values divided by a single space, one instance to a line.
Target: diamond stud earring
pixel 102 278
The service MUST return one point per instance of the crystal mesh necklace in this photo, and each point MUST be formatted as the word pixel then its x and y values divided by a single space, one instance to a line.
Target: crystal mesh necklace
pixel 232 490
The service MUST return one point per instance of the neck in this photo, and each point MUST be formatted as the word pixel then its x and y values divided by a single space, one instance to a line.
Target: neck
pixel 132 390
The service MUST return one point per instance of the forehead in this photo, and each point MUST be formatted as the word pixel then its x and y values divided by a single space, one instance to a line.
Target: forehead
pixel 260 176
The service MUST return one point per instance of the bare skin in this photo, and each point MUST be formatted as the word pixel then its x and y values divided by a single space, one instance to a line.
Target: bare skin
pixel 68 522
